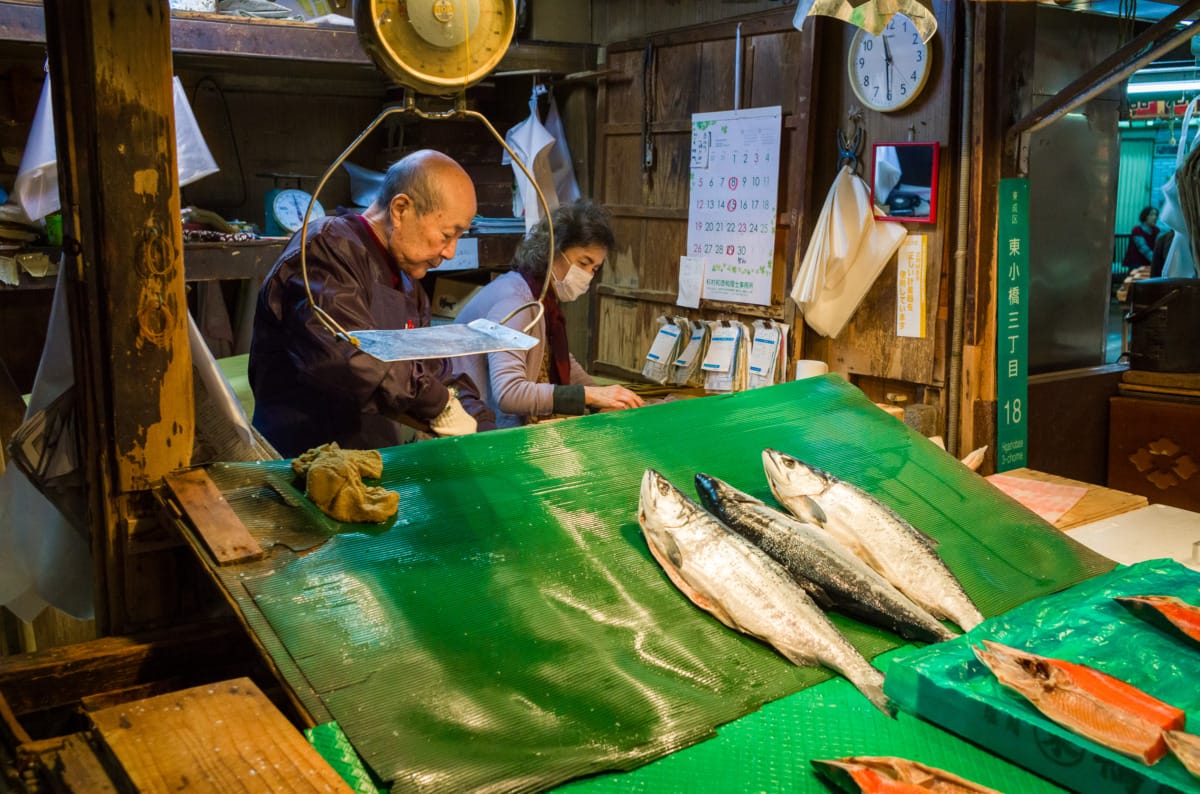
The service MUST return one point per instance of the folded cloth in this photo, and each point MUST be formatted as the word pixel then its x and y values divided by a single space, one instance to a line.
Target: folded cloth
pixel 263 9
pixel 333 482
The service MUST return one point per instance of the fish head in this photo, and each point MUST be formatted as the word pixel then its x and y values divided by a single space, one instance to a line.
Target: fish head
pixel 795 484
pixel 715 492
pixel 663 512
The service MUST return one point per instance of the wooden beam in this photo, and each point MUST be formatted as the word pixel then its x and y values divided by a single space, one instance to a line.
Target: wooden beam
pixel 62 676
pixel 1157 39
pixel 111 77
pixel 205 506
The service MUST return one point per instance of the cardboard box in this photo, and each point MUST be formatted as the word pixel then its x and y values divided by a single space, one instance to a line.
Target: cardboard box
pixel 450 295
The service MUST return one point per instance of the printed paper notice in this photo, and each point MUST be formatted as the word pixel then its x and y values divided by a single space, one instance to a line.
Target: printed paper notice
pixel 691 281
pixel 732 201
pixel 910 286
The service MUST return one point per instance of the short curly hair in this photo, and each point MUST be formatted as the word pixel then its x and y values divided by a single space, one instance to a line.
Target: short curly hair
pixel 1145 213
pixel 578 224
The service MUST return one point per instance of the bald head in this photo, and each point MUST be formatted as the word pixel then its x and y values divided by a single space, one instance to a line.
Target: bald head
pixel 428 178
pixel 426 202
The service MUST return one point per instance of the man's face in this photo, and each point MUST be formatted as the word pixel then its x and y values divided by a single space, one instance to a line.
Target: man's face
pixel 422 242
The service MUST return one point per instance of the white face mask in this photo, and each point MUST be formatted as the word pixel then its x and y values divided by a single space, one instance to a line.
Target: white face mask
pixel 575 284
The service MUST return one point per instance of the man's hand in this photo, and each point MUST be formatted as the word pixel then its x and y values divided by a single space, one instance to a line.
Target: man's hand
pixel 610 397
pixel 453 420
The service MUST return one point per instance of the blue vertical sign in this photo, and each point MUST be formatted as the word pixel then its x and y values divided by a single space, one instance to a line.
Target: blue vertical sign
pixel 1012 325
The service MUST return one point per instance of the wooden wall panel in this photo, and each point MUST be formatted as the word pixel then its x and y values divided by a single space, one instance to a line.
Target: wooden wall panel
pixel 694 73
pixel 618 20
pixel 869 346
pixel 623 186
pixel 625 78
pixel 622 268
pixel 712 88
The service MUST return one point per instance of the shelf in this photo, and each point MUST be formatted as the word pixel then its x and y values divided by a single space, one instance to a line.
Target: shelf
pixel 285 41
pixel 201 262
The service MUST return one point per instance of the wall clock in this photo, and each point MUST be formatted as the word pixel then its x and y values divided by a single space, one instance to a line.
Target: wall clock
pixel 889 71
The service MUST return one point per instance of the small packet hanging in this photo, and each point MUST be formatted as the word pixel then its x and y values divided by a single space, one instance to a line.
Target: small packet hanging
pixel 661 356
pixel 720 360
pixel 687 365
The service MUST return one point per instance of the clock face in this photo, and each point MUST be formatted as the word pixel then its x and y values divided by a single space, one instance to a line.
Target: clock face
pixel 888 71
pixel 289 207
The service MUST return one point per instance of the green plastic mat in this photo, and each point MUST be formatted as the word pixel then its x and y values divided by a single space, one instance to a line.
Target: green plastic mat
pixel 948 685
pixel 770 749
pixel 509 629
pixel 328 740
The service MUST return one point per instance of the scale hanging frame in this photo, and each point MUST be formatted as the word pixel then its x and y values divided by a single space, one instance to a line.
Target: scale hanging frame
pixel 437 47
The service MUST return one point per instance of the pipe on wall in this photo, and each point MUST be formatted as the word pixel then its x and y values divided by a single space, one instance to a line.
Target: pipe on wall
pixel 960 235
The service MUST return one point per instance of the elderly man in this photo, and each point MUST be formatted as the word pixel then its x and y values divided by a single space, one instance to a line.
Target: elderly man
pixel 364 271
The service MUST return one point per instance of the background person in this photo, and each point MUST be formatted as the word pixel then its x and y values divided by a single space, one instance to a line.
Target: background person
pixel 523 385
pixel 1140 252
pixel 311 388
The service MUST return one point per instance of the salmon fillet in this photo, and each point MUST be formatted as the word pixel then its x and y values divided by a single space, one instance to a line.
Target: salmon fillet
pixel 1086 701
pixel 1167 612
pixel 892 775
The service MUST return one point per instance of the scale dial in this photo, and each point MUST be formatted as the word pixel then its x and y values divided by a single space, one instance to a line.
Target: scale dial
pixel 435 46
pixel 888 71
pixel 289 207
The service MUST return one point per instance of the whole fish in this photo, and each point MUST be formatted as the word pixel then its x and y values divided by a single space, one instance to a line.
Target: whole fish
pixel 724 574
pixel 1086 701
pixel 873 531
pixel 820 564
pixel 868 774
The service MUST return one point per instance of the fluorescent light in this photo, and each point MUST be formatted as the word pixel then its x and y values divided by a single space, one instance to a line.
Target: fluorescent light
pixel 1168 87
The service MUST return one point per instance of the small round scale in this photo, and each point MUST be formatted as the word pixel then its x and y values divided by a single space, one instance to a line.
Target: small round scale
pixel 440 48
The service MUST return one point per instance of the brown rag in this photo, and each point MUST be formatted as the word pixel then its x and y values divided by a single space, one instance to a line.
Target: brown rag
pixel 333 481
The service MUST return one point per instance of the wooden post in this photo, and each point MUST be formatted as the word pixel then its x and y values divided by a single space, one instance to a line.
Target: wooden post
pixel 111 74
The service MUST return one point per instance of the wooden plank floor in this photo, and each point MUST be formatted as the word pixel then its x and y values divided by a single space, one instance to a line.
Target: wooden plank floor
pixel 225 736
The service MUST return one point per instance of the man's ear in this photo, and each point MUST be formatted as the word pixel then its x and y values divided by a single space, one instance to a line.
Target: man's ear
pixel 400 205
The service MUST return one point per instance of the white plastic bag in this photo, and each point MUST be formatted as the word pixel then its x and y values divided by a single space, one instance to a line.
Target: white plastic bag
pixel 36 187
pixel 1172 211
pixel 1179 262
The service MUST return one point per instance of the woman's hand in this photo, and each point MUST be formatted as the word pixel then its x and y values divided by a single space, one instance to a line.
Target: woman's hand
pixel 610 397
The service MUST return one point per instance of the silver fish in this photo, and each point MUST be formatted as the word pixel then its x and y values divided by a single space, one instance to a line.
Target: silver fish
pixel 727 576
pixel 873 531
pixel 825 568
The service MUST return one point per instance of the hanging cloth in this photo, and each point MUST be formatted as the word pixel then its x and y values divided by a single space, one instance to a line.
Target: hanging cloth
pixel 561 167
pixel 845 255
pixel 531 142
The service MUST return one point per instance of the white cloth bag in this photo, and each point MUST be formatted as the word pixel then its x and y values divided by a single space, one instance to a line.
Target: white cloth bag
pixel 845 255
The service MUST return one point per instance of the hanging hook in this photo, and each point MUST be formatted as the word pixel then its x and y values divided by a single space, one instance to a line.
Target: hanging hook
pixel 850 144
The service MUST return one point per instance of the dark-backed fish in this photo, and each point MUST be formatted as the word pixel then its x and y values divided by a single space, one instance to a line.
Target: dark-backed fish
pixel 830 572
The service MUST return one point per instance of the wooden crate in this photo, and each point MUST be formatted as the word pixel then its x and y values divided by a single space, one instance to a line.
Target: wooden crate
pixel 1154 450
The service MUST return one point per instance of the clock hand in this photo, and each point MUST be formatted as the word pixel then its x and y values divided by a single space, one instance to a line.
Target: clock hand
pixel 887 65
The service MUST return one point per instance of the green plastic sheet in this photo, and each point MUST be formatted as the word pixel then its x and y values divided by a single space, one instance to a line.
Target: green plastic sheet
pixel 509 629
pixel 770 750
pixel 947 685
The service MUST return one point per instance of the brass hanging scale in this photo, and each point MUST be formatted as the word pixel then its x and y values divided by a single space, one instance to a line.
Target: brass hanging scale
pixel 437 47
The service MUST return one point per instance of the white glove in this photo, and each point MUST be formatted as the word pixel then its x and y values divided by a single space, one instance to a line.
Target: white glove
pixel 453 420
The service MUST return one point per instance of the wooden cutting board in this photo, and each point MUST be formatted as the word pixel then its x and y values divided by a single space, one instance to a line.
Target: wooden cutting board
pixel 225 736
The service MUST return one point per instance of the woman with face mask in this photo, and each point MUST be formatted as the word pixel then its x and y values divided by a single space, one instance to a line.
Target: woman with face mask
pixel 523 386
